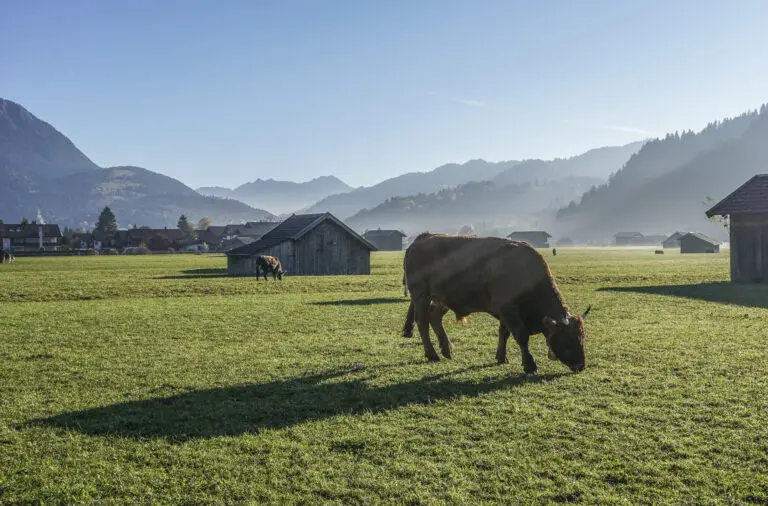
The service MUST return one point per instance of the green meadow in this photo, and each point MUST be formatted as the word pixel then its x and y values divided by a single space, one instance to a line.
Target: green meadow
pixel 159 380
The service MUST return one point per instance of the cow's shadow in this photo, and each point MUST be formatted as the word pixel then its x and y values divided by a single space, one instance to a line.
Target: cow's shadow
pixel 361 302
pixel 753 295
pixel 236 410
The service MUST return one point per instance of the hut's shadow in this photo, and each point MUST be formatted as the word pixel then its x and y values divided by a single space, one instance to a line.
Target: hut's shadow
pixel 198 274
pixel 753 295
pixel 250 408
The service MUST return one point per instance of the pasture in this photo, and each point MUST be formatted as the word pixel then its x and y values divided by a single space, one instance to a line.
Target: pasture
pixel 158 379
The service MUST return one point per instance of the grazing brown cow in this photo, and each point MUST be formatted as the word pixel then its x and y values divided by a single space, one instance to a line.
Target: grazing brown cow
pixel 507 279
pixel 269 265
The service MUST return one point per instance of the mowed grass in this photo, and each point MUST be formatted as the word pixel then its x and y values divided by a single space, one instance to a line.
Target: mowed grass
pixel 159 380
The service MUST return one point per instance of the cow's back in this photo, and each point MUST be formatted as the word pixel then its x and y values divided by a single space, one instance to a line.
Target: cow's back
pixel 477 274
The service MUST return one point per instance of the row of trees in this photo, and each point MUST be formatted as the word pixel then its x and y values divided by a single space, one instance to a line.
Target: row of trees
pixel 107 224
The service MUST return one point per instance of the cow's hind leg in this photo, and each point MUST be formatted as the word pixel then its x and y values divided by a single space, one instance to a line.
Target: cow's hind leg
pixel 510 318
pixel 436 313
pixel 421 311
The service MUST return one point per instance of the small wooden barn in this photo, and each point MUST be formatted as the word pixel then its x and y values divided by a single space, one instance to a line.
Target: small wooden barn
pixel 628 239
pixel 385 240
pixel 673 241
pixel 747 209
pixel 536 238
pixel 694 242
pixel 307 245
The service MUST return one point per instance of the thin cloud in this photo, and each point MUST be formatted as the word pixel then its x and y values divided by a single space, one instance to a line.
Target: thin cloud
pixel 614 128
pixel 458 100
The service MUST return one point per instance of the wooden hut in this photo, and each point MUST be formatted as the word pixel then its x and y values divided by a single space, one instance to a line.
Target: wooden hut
pixel 698 243
pixel 536 238
pixel 307 245
pixel 385 240
pixel 747 208
pixel 673 241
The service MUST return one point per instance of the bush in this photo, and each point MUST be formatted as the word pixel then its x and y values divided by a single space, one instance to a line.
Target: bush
pixel 142 250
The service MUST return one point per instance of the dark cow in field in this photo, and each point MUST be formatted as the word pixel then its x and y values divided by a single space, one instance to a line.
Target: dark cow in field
pixel 659 252
pixel 6 256
pixel 506 279
pixel 269 265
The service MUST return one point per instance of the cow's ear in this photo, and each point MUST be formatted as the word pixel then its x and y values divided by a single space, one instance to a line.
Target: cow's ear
pixel 549 323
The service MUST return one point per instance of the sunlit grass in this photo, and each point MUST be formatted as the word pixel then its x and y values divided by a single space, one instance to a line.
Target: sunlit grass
pixel 159 379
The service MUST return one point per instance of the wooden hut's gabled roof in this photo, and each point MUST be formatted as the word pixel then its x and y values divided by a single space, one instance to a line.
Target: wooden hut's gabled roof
pixel 702 237
pixel 749 198
pixel 293 228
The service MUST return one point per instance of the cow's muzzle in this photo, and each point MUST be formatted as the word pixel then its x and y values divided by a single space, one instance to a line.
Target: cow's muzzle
pixel 577 368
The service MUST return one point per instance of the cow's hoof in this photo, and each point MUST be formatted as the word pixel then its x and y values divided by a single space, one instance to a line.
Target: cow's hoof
pixel 407 334
pixel 448 355
pixel 533 372
pixel 433 358
pixel 501 360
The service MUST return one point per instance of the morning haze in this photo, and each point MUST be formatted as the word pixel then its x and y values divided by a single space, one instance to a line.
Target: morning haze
pixel 344 252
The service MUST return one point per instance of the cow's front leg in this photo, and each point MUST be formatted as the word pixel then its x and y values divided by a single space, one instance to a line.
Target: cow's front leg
pixel 511 320
pixel 436 314
pixel 421 313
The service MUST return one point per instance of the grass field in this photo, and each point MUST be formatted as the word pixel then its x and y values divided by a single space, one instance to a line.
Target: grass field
pixel 159 380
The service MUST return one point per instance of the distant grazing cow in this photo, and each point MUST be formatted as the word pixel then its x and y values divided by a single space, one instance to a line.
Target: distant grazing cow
pixel 659 252
pixel 6 256
pixel 554 252
pixel 506 279
pixel 269 265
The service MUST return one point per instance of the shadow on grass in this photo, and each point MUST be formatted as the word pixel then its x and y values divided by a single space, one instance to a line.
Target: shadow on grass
pixel 243 409
pixel 361 302
pixel 754 295
pixel 198 274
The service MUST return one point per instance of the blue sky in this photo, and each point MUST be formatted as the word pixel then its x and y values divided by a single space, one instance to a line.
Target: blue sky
pixel 227 92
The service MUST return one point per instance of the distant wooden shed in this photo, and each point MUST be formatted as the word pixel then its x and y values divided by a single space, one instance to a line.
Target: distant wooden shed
pixel 747 209
pixel 698 243
pixel 673 241
pixel 307 245
pixel 536 238
pixel 385 240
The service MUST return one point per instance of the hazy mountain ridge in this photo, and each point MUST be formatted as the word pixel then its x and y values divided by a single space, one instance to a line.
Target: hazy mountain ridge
pixel 490 207
pixel 280 196
pixel 448 175
pixel 597 163
pixel 42 169
pixel 663 187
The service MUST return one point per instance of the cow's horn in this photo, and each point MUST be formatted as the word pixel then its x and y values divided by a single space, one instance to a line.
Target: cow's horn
pixel 585 313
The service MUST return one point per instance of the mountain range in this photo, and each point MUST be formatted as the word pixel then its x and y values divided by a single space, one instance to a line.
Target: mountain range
pixel 597 163
pixel 280 196
pixel 670 182
pixel 40 168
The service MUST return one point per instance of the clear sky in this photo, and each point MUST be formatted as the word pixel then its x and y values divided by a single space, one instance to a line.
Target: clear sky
pixel 219 93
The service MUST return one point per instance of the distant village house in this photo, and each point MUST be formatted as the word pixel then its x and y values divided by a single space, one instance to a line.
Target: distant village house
pixel 30 237
pixel 673 241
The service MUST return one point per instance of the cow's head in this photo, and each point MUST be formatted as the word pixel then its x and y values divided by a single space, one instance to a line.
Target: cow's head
pixel 280 274
pixel 565 339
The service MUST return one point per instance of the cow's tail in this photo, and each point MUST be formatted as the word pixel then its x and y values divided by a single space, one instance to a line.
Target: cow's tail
pixel 405 286
pixel 409 322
